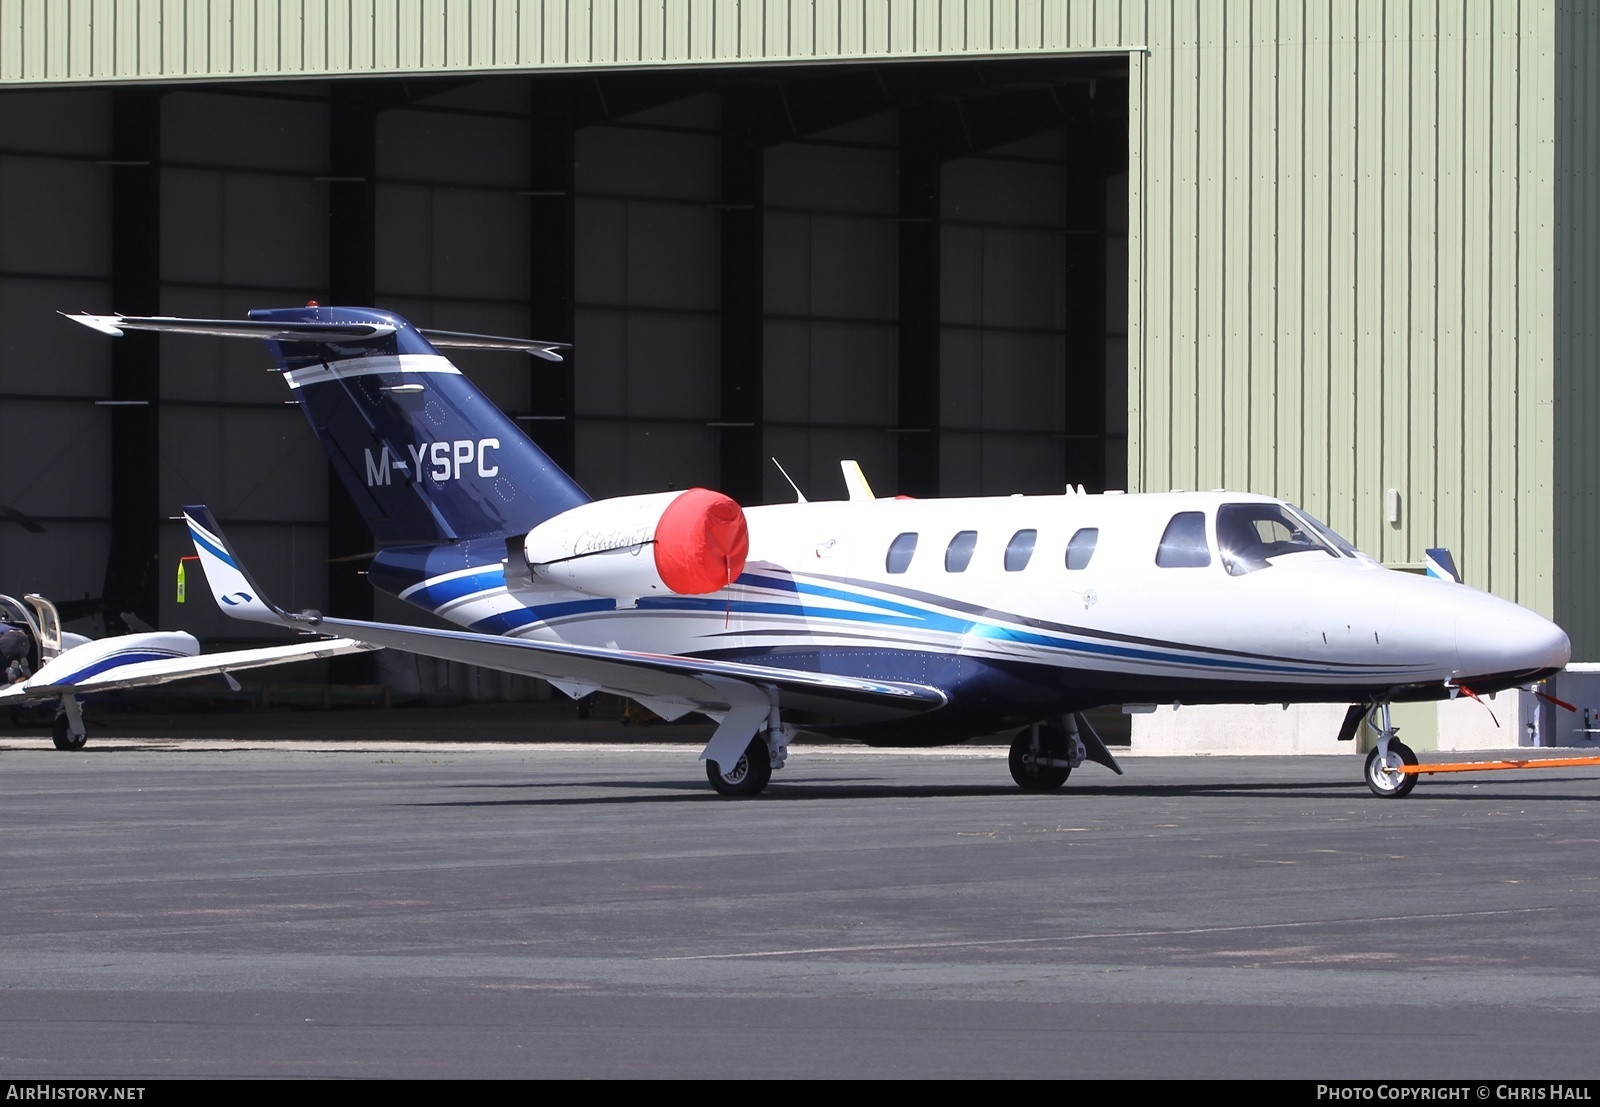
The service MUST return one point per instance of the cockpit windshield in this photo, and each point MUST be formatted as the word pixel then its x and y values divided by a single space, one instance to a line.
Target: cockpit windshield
pixel 1250 535
pixel 1329 535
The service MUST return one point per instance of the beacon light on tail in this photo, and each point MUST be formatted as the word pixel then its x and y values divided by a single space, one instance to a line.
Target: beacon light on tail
pixel 685 543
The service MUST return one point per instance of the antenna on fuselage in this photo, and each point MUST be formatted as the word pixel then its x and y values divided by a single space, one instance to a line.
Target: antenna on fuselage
pixel 855 481
pixel 801 496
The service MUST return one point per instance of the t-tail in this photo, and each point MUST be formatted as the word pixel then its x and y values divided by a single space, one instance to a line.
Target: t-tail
pixel 425 456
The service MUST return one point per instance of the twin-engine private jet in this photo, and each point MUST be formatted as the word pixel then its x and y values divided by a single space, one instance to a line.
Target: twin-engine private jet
pixel 55 664
pixel 897 622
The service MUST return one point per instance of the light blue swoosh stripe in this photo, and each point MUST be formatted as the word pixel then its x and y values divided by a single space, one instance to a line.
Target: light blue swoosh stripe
pixel 890 614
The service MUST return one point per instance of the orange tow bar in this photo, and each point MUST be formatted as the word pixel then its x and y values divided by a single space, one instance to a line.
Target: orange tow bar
pixel 1496 766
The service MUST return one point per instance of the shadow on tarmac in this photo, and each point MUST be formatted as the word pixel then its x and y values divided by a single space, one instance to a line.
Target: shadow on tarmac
pixel 811 790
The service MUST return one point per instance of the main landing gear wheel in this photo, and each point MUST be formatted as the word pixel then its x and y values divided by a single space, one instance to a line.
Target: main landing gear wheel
pixel 1034 764
pixel 747 776
pixel 1385 779
pixel 61 734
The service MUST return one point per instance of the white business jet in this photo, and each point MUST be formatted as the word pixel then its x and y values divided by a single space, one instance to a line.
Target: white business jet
pixel 62 666
pixel 893 621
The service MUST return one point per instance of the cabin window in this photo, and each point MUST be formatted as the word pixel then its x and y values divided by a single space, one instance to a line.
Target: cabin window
pixel 1020 550
pixel 1080 548
pixel 1183 543
pixel 900 551
pixel 1250 535
pixel 959 552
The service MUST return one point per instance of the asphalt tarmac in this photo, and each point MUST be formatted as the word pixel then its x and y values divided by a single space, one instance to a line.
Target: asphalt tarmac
pixel 333 898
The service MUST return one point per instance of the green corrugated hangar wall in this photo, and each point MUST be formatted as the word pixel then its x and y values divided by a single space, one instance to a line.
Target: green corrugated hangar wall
pixel 1350 260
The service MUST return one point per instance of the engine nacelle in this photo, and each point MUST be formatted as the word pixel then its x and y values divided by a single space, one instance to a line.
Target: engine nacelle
pixel 689 543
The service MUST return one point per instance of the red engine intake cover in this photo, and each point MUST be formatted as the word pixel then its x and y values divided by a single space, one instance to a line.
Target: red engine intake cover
pixel 701 542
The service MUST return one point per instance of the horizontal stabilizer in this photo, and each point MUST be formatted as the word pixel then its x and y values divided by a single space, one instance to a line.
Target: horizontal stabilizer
pixel 233 328
pixel 462 340
pixel 307 331
pixel 424 455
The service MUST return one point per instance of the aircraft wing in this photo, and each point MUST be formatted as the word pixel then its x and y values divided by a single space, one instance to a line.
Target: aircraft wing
pixel 106 674
pixel 740 694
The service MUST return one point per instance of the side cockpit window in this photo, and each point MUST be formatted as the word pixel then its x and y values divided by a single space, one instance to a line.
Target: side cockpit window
pixel 1019 551
pixel 1080 548
pixel 958 553
pixel 1250 535
pixel 900 551
pixel 1183 543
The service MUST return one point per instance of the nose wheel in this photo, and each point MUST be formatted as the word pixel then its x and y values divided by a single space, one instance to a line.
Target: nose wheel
pixel 1383 770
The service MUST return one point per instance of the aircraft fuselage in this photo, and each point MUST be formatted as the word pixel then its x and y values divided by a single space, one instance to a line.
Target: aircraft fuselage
pixel 1004 604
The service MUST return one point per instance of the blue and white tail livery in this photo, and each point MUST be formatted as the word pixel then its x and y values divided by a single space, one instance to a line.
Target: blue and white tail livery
pixel 894 621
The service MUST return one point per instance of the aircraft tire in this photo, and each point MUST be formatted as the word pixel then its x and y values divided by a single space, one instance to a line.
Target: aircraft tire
pixel 61 734
pixel 1031 777
pixel 1386 783
pixel 748 776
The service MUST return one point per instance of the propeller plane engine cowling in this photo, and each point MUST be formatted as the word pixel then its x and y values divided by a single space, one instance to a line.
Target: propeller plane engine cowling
pixel 688 543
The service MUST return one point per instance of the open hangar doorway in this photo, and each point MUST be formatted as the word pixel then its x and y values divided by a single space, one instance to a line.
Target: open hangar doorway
pixel 922 266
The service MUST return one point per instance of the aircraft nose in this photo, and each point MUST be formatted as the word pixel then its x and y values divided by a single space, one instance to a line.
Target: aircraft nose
pixel 1502 637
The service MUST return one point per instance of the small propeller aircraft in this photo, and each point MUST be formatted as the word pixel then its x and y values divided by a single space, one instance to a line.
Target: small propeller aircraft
pixel 54 664
pixel 893 621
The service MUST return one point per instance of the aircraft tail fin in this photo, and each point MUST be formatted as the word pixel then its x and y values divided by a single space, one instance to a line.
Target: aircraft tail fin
pixel 1442 564
pixel 425 456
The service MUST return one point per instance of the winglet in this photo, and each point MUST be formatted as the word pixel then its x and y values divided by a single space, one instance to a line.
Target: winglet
pixel 236 593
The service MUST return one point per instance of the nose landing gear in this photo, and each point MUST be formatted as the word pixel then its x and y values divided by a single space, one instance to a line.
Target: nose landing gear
pixel 1383 763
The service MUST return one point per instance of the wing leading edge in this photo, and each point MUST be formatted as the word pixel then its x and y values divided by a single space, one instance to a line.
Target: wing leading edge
pixel 740 695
